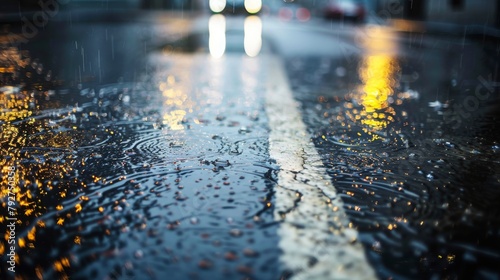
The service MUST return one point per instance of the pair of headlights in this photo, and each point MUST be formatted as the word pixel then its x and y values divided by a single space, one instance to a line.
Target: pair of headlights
pixel 251 6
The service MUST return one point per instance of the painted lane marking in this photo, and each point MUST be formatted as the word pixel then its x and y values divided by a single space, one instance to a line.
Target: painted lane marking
pixel 317 239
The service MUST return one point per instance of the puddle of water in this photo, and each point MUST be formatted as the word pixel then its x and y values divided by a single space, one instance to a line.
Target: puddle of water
pixel 169 173
pixel 422 193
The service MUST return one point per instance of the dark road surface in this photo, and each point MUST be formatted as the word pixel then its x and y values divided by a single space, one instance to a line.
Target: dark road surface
pixel 149 148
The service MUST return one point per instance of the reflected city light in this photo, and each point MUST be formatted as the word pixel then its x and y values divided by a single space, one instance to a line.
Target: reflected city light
pixel 13 106
pixel 7 69
pixel 37 153
pixel 217 6
pixel 378 73
pixel 176 102
pixel 174 119
pixel 33 174
pixel 217 35
pixel 12 58
pixel 253 6
pixel 253 35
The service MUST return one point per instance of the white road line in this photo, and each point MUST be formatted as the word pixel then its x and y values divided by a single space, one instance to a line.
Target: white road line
pixel 316 237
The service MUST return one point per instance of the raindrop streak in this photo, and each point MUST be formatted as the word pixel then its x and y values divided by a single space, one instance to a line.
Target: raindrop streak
pixel 83 59
pixel 99 65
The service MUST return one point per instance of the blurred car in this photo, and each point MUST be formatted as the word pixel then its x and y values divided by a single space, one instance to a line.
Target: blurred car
pixel 293 11
pixel 345 9
pixel 235 6
pixel 286 11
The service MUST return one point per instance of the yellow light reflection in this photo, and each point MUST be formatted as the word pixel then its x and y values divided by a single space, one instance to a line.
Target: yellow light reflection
pixel 13 106
pixel 253 35
pixel 25 170
pixel 176 100
pixel 61 264
pixel 217 35
pixel 378 73
pixel 11 59
pixel 7 69
pixel 174 119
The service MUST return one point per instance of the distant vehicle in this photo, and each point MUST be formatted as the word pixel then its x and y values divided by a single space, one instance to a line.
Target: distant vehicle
pixel 345 9
pixel 287 11
pixel 235 6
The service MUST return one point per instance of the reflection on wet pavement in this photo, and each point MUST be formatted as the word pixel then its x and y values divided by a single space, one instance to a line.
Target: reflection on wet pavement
pixel 132 179
pixel 134 166
pixel 253 36
pixel 419 191
pixel 376 72
pixel 217 33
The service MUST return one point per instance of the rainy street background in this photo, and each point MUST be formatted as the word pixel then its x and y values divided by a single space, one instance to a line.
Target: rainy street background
pixel 171 139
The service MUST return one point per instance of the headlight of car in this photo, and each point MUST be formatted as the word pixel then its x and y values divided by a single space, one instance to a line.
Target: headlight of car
pixel 217 6
pixel 253 6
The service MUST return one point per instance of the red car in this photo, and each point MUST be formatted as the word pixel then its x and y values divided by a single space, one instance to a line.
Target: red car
pixel 345 9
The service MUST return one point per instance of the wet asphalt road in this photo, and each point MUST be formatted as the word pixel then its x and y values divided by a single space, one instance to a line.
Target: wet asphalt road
pixel 141 149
